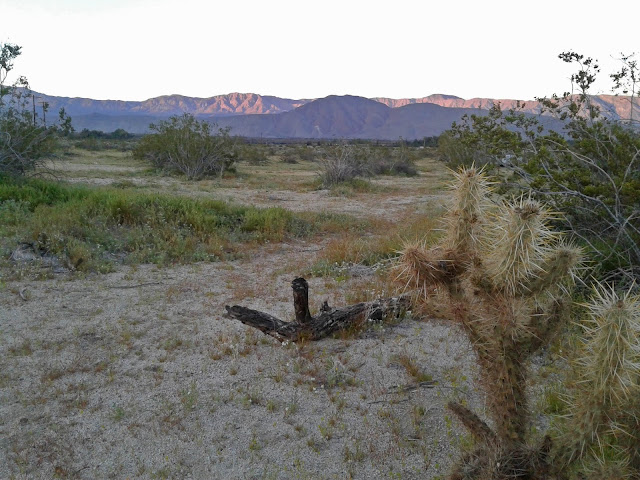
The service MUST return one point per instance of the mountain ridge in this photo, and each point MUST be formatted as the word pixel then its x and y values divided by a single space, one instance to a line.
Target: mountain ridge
pixel 346 116
pixel 228 104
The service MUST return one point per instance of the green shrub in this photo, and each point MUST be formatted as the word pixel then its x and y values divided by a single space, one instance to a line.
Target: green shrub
pixel 589 171
pixel 13 211
pixel 185 145
pixel 25 141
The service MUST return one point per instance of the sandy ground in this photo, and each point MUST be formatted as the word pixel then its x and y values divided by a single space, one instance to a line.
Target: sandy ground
pixel 137 374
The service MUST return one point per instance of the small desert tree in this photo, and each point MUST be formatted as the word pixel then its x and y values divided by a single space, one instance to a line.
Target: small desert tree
pixel 501 273
pixel 482 140
pixel 24 141
pixel 186 145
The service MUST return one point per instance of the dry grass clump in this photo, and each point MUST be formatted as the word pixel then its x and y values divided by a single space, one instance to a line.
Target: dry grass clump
pixel 377 248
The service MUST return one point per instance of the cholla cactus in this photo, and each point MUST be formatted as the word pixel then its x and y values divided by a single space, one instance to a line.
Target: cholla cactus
pixel 603 426
pixel 501 272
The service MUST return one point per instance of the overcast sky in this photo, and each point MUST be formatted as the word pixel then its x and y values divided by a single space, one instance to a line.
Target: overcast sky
pixel 138 49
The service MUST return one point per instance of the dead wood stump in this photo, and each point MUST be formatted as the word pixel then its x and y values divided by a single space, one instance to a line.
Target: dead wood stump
pixel 329 320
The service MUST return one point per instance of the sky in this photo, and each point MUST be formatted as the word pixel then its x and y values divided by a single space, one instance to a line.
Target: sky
pixel 139 49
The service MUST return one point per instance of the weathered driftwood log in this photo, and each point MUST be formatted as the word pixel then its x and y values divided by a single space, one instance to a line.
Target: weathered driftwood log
pixel 330 320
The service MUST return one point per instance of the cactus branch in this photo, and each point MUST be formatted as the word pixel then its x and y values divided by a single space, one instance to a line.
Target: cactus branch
pixel 476 426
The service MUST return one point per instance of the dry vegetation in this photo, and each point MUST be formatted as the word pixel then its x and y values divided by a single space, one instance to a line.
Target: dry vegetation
pixel 136 374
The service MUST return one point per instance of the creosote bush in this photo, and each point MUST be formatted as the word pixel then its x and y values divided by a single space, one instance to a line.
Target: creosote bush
pixel 586 166
pixel 186 145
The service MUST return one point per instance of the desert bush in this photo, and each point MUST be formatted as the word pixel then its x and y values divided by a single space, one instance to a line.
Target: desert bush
pixel 350 161
pixel 290 157
pixel 392 161
pixel 403 166
pixel 301 153
pixel 307 153
pixel 118 134
pixel 96 140
pixel 589 171
pixel 185 145
pixel 458 150
pixel 343 163
pixel 91 143
pixel 25 141
pixel 23 146
pixel 253 154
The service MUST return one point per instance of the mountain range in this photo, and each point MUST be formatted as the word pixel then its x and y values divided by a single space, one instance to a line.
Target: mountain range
pixel 263 116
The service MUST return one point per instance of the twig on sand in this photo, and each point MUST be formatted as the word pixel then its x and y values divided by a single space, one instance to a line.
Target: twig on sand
pixel 135 286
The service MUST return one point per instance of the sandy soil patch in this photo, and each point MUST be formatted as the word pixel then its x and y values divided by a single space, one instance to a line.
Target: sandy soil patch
pixel 137 374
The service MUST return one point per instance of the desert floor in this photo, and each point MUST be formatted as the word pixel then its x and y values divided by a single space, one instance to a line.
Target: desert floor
pixel 138 374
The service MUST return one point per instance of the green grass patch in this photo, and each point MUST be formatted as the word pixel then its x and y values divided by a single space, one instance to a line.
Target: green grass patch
pixel 94 228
